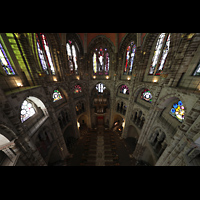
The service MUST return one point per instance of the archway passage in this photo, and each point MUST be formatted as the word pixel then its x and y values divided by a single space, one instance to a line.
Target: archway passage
pixel 54 158
pixel 83 122
pixel 132 138
pixel 69 138
pixel 117 125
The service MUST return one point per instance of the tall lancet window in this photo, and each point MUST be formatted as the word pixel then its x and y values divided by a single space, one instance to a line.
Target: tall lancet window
pixel 101 61
pixel 130 54
pixel 72 57
pixel 160 54
pixel 197 70
pixel 44 53
pixel 5 62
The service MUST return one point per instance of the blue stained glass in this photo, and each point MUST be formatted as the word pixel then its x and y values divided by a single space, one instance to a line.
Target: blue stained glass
pixel 175 105
pixel 5 62
pixel 173 110
pixel 180 103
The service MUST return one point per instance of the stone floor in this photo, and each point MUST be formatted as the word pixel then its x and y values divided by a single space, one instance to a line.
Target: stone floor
pixel 102 147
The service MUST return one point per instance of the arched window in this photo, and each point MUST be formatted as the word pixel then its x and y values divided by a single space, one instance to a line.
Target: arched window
pixel 72 57
pixel 162 46
pixel 130 54
pixel 197 70
pixel 100 87
pixel 146 95
pixel 101 62
pixel 124 89
pixel 56 95
pixel 5 62
pixel 27 110
pixel 77 89
pixel 178 111
pixel 44 53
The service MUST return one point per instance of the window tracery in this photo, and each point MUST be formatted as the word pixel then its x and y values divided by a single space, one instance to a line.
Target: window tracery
pixel 146 95
pixel 101 61
pixel 72 57
pixel 124 89
pixel 44 53
pixel 77 89
pixel 178 111
pixel 5 62
pixel 161 48
pixel 197 70
pixel 56 95
pixel 130 54
pixel 27 110
pixel 100 87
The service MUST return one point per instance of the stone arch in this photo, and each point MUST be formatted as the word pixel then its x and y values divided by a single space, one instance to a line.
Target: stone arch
pixel 125 42
pixel 80 106
pixel 94 87
pixel 8 149
pixel 120 85
pixel 7 132
pixel 164 101
pixel 63 92
pixel 43 140
pixel 83 119
pixel 69 137
pixel 54 156
pixel 132 132
pixel 137 91
pixel 101 40
pixel 105 43
pixel 78 42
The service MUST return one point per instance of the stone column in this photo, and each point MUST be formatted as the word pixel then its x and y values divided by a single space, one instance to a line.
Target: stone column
pixel 85 43
pixel 144 133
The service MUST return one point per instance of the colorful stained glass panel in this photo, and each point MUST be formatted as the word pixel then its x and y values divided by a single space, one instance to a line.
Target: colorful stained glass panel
pixel 146 95
pixel 56 95
pixel 5 62
pixel 178 111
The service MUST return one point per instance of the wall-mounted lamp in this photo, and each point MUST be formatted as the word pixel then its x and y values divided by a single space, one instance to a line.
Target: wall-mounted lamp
pixel 54 79
pixel 78 125
pixel 94 77
pixel 19 84
pixel 128 78
pixel 107 77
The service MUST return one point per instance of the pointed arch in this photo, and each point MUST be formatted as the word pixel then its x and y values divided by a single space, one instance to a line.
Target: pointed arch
pixel 44 53
pixel 160 54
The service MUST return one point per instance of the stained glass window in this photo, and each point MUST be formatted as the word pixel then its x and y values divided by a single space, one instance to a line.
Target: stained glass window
pixel 44 52
pixel 27 110
pixel 124 90
pixel 146 95
pixel 100 87
pixel 72 57
pixel 41 56
pixel 94 63
pixel 101 62
pixel 130 54
pixel 77 89
pixel 164 56
pixel 5 62
pixel 107 64
pixel 178 111
pixel 56 95
pixel 197 70
pixel 157 52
